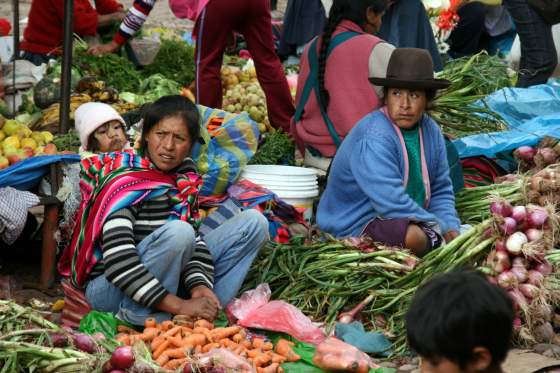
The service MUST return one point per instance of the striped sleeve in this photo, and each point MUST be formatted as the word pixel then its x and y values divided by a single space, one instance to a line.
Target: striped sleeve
pixel 200 269
pixel 134 20
pixel 123 267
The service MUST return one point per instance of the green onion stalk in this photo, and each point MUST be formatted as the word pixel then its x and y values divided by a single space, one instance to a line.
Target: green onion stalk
pixel 473 204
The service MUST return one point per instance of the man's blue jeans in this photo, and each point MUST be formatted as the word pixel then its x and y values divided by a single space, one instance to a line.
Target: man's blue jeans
pixel 234 245
pixel 538 54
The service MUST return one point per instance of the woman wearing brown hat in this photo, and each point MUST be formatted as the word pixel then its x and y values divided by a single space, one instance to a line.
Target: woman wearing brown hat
pixel 390 178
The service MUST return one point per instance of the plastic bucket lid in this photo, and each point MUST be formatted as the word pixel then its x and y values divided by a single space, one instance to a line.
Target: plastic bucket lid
pixel 280 183
pixel 279 170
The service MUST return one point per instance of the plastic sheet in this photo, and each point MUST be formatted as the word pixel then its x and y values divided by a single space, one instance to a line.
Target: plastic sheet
pixel 532 113
pixel 225 152
pixel 26 174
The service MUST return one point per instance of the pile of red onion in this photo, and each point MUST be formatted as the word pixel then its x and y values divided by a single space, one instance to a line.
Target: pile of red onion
pixel 517 261
pixel 547 152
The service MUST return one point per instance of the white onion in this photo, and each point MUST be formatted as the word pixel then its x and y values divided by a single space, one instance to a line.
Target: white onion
pixel 534 234
pixel 519 213
pixel 515 243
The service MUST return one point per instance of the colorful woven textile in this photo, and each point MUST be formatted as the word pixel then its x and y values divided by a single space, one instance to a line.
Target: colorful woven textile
pixel 113 181
pixel 479 171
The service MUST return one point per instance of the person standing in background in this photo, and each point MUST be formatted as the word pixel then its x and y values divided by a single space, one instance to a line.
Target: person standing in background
pixel 42 38
pixel 215 21
pixel 538 53
pixel 406 25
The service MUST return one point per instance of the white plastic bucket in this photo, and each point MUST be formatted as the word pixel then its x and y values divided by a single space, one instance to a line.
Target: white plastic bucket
pixel 296 186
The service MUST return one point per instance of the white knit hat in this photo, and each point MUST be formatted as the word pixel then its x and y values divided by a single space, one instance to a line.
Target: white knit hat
pixel 90 116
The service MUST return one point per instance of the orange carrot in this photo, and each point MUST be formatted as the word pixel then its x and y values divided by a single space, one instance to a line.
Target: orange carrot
pixel 254 353
pixel 176 341
pixel 195 340
pixel 205 331
pixel 149 334
pixel 239 350
pixel 238 337
pixel 171 332
pixel 221 333
pixel 246 343
pixel 175 363
pixel 203 324
pixel 156 342
pixel 150 322
pixel 258 342
pixel 272 368
pixel 198 349
pixel 166 325
pixel 261 360
pixel 162 347
pixel 123 338
pixel 283 347
pixel 276 358
pixel 126 329
pixel 162 360
pixel 175 353
pixel 210 346
pixel 267 346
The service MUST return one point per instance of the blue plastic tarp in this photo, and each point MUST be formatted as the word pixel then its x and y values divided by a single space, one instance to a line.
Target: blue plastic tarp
pixel 26 174
pixel 532 113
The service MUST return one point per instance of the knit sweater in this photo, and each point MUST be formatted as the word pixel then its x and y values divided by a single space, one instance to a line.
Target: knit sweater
pixel 134 20
pixel 43 34
pixel 121 264
pixel 369 174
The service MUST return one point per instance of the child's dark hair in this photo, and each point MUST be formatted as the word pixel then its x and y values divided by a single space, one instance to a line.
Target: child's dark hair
pixel 92 144
pixel 170 106
pixel 351 10
pixel 456 312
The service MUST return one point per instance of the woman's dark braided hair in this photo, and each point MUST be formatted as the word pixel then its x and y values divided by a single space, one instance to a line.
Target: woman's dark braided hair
pixel 351 10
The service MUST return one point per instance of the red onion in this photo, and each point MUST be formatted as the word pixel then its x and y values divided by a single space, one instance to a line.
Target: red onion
pixel 499 261
pixel 515 243
pixel 519 269
pixel 487 233
pixel 501 208
pixel 535 278
pixel 122 357
pixel 548 154
pixel 545 268
pixel 187 368
pixel 529 291
pixel 507 280
pixel 509 226
pixel 59 340
pixel 500 245
pixel 518 298
pixel 525 153
pixel 517 323
pixel 533 234
pixel 537 218
pixel 84 342
pixel 519 213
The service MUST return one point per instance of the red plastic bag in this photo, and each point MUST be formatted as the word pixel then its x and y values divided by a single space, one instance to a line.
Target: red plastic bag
pixel 254 310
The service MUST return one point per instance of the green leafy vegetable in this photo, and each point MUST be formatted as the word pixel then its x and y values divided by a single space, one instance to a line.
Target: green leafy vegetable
pixel 175 61
pixel 277 148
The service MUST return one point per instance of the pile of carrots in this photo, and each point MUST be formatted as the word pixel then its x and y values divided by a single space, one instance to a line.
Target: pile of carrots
pixel 174 344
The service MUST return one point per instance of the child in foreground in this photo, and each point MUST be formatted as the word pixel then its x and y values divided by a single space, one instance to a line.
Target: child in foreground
pixel 460 323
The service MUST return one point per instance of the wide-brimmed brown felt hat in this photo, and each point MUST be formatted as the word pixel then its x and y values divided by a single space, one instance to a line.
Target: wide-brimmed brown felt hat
pixel 410 68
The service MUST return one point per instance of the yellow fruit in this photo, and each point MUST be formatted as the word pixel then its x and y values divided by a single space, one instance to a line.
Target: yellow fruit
pixel 4 163
pixel 10 127
pixel 38 137
pixel 29 142
pixel 262 127
pixel 58 306
pixel 40 150
pixel 48 136
pixel 11 142
pixel 2 135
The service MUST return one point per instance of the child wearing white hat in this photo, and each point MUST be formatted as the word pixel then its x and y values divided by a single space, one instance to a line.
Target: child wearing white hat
pixel 100 128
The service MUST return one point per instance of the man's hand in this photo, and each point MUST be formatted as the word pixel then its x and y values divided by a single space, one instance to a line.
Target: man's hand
pixel 102 49
pixel 202 291
pixel 450 236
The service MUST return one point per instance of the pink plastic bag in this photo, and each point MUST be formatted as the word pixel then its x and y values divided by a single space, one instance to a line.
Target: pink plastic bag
pixel 253 310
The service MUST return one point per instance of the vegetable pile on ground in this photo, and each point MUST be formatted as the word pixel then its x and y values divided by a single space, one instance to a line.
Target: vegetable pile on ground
pixel 174 343
pixel 472 79
pixel 518 265
pixel 534 159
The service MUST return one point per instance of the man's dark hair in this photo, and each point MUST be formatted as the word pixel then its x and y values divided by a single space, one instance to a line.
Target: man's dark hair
pixel 456 312
pixel 171 106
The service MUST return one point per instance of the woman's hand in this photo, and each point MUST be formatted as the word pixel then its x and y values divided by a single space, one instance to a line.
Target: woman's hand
pixel 204 292
pixel 198 308
pixel 450 235
pixel 102 49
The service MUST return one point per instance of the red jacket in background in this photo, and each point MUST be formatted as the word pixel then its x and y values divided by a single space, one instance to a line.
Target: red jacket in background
pixel 43 34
